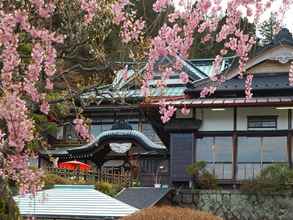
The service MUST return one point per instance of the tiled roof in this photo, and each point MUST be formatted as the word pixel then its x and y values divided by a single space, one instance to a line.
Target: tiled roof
pixel 197 69
pixel 224 102
pixel 136 93
pixel 110 135
pixel 260 82
pixel 120 135
pixel 142 197
pixel 205 65
pixel 74 201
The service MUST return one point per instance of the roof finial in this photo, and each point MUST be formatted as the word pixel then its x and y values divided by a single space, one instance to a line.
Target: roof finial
pixel 283 35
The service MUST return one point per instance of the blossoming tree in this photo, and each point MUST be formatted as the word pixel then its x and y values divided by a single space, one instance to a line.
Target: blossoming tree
pixel 36 39
pixel 26 79
pixel 207 20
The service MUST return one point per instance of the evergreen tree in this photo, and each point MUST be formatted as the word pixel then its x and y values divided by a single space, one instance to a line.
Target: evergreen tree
pixel 266 30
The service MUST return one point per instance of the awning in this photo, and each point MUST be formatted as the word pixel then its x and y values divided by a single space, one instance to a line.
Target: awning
pixel 229 102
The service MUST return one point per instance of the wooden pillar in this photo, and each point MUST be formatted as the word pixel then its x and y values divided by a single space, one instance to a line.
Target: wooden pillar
pixel 289 141
pixel 235 144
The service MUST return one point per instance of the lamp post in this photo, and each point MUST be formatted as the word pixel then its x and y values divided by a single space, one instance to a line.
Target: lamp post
pixel 158 185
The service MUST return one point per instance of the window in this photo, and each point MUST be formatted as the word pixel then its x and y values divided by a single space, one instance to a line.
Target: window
pixel 69 132
pixel 262 121
pixel 217 151
pixel 254 153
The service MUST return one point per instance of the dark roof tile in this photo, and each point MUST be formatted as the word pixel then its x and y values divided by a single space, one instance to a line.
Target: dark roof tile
pixel 142 197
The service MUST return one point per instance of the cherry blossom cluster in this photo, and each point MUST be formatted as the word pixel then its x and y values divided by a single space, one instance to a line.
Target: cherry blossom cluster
pixel 248 86
pixel 185 110
pixel 131 28
pixel 166 111
pixel 44 10
pixel 159 5
pixel 291 74
pixel 90 8
pixel 208 90
pixel 81 128
pixel 176 36
pixel 20 85
pixel 17 168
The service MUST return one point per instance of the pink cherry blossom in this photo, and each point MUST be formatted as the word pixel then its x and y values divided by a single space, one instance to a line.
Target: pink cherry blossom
pixel 17 168
pixel 44 10
pixel 81 128
pixel 19 90
pixel 166 111
pixel 44 107
pixel 131 27
pixel 159 5
pixel 125 73
pixel 2 135
pixel 15 113
pixel 49 84
pixel 184 77
pixel 248 86
pixel 90 8
pixel 185 110
pixel 209 90
pixel 291 74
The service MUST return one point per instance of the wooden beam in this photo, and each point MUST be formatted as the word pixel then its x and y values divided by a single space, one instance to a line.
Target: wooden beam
pixel 235 144
pixel 289 141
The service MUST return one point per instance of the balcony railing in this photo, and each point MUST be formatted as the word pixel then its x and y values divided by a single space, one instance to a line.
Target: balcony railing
pixel 245 170
pixel 121 178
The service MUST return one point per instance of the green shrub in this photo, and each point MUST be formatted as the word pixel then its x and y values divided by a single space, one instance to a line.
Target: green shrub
pixel 108 188
pixel 197 168
pixel 136 183
pixel 207 181
pixel 51 179
pixel 202 178
pixel 272 179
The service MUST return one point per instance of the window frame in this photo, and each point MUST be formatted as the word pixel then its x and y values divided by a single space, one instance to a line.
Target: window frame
pixel 262 120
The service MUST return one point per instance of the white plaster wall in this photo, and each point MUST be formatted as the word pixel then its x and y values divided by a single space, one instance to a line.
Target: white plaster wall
pixel 215 120
pixel 242 114
pixel 223 120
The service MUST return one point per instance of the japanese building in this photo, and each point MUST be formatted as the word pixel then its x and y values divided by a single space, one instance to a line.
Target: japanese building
pixel 235 135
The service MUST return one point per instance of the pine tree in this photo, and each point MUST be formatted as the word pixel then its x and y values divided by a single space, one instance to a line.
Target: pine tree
pixel 266 30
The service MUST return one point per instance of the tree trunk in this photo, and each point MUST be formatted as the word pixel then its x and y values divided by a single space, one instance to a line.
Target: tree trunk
pixel 8 208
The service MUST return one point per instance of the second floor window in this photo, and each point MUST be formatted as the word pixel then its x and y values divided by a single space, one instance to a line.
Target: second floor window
pixel 262 122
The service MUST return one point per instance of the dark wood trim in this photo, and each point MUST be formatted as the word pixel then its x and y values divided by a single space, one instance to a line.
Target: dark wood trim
pixel 235 118
pixel 255 133
pixel 181 125
pixel 223 105
pixel 290 119
pixel 193 149
pixel 289 141
pixel 234 145
pixel 234 155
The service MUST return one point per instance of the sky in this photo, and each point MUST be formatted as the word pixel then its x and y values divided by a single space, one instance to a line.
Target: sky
pixel 288 19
